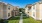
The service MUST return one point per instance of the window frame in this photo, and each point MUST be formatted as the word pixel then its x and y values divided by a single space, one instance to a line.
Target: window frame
pixel 8 14
pixel 9 7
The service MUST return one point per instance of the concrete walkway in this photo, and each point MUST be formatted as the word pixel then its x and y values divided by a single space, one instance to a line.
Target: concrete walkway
pixel 21 19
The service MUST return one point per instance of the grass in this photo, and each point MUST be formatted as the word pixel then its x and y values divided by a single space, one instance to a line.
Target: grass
pixel 14 19
pixel 30 20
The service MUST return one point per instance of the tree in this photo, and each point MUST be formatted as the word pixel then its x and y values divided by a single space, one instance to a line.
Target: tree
pixel 21 10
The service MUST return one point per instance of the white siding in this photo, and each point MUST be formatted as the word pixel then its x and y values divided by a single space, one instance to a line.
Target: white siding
pixel 34 12
pixel 40 11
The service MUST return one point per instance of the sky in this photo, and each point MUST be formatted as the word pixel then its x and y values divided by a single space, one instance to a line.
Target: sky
pixel 20 3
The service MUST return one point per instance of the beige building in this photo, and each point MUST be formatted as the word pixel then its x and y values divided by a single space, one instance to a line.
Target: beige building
pixel 37 13
pixel 28 9
pixel 16 10
pixel 35 10
pixel 7 10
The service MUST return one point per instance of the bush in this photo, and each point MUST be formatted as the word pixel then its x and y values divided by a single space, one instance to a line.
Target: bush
pixel 1 21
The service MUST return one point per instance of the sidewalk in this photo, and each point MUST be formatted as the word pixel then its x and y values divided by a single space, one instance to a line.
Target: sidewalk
pixel 21 19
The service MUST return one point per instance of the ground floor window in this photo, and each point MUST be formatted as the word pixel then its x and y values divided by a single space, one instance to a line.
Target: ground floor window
pixel 8 14
pixel 34 14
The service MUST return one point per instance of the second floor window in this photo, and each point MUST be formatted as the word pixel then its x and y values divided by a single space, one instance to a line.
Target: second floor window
pixel 9 7
pixel 34 7
pixel 29 8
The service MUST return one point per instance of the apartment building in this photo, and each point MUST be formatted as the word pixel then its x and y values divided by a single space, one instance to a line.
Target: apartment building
pixel 37 11
pixel 34 10
pixel 28 9
pixel 5 10
pixel 16 10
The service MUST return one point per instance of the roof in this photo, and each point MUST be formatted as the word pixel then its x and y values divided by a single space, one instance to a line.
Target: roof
pixel 28 5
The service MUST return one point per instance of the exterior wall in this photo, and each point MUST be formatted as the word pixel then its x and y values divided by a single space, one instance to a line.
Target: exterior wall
pixel 40 11
pixel 37 11
pixel 12 7
pixel 9 11
pixel 30 12
pixel 1 10
pixel 34 11
pixel 4 11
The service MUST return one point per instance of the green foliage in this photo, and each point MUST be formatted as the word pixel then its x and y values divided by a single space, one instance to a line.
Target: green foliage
pixel 21 9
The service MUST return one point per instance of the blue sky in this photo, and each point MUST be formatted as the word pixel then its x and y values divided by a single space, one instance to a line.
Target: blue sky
pixel 20 3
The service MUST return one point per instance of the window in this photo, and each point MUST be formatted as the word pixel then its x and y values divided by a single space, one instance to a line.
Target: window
pixel 29 7
pixel 34 14
pixel 34 7
pixel 9 7
pixel 8 14
pixel 28 12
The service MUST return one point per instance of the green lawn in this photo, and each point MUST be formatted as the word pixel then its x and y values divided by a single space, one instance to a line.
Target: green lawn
pixel 30 20
pixel 14 19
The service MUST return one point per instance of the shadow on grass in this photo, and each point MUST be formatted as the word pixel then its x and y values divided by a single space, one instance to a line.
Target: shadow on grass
pixel 3 21
pixel 14 18
pixel 25 17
